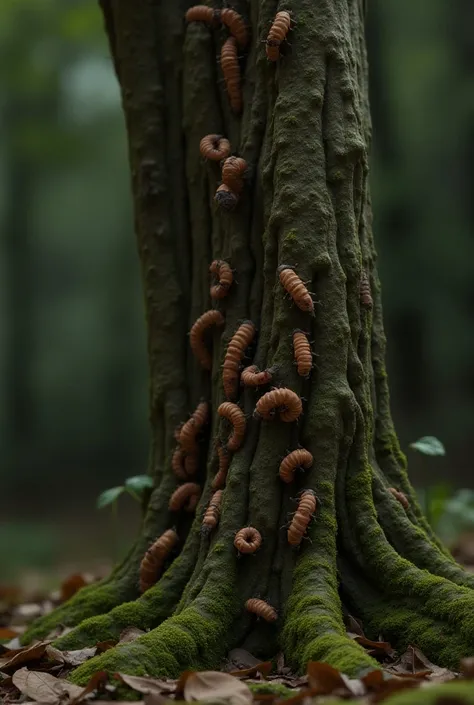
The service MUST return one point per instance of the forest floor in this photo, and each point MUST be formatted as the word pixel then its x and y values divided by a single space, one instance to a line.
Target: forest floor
pixel 37 674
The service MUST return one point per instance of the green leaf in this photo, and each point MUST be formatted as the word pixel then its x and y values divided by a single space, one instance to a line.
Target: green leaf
pixel 428 445
pixel 138 483
pixel 109 496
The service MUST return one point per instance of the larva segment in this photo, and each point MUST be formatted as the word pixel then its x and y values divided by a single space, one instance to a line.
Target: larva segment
pixel 400 497
pixel 277 34
pixel 185 497
pixel 299 458
pixel 248 540
pixel 302 350
pixel 365 292
pixel 196 336
pixel 191 464
pixel 193 426
pixel 233 170
pixel 224 461
pixel 302 517
pixel 212 513
pixel 282 401
pixel 296 288
pixel 234 414
pixel 231 72
pixel 153 560
pixel 252 377
pixel 226 198
pixel 177 464
pixel 203 13
pixel 236 26
pixel 223 273
pixel 307 503
pixel 261 609
pixel 214 147
pixel 233 357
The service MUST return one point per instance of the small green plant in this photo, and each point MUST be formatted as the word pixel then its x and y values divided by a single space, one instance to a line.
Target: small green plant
pixel 135 486
pixel 428 445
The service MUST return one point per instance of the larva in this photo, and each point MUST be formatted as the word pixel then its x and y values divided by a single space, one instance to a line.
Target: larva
pixel 252 377
pixel 196 336
pixel 236 25
pixel 211 515
pixel 224 460
pixel 231 72
pixel 277 34
pixel 191 464
pixel 307 503
pixel 177 464
pixel 365 293
pixel 154 558
pixel 248 540
pixel 214 147
pixel 296 288
pixel 234 355
pixel 302 350
pixel 223 273
pixel 233 170
pixel 202 13
pixel 193 425
pixel 234 414
pixel 182 496
pixel 261 609
pixel 400 497
pixel 281 400
pixel 302 517
pixel 226 198
pixel 297 458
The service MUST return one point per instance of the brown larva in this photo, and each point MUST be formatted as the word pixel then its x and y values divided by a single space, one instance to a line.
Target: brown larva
pixel 297 458
pixel 277 34
pixel 236 25
pixel 234 355
pixel 365 293
pixel 307 503
pixel 191 463
pixel 152 562
pixel 302 350
pixel 252 377
pixel 400 497
pixel 231 72
pixel 196 336
pixel 177 464
pixel 233 170
pixel 283 401
pixel 212 513
pixel 302 517
pixel 182 497
pixel 193 426
pixel 223 273
pixel 248 540
pixel 226 198
pixel 224 461
pixel 261 609
pixel 234 414
pixel 296 288
pixel 214 147
pixel 202 13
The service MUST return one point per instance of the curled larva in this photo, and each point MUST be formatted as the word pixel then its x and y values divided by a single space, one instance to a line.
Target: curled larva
pixel 282 401
pixel 214 147
pixel 182 497
pixel 233 170
pixel 192 427
pixel 234 355
pixel 400 497
pixel 299 458
pixel 302 517
pixel 302 350
pixel 365 292
pixel 277 34
pixel 234 414
pixel 296 288
pixel 261 609
pixel 152 562
pixel 177 464
pixel 226 198
pixel 196 336
pixel 202 13
pixel 231 72
pixel 252 377
pixel 223 273
pixel 236 25
pixel 212 513
pixel 221 475
pixel 247 540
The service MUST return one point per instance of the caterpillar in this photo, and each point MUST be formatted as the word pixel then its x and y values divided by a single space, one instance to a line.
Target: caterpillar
pixel 252 377
pixel 297 458
pixel 400 497
pixel 224 460
pixel 302 350
pixel 196 336
pixel 226 198
pixel 182 497
pixel 223 273
pixel 202 13
pixel 231 72
pixel 191 464
pixel 211 515
pixel 302 517
pixel 214 147
pixel 177 464
pixel 233 169
pixel 296 288
pixel 234 414
pixel 236 25
pixel 193 425
pixel 233 357
pixel 248 540
pixel 261 609
pixel 154 558
pixel 279 400
pixel 365 293
pixel 277 34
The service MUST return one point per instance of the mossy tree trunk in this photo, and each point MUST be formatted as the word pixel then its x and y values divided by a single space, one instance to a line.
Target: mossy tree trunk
pixel 305 134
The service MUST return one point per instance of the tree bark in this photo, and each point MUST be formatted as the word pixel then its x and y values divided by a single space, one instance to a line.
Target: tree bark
pixel 305 135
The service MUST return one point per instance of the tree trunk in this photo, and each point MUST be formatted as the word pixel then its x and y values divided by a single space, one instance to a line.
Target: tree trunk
pixel 304 133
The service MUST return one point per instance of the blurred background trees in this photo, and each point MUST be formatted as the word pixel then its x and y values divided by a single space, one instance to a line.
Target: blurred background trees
pixel 72 343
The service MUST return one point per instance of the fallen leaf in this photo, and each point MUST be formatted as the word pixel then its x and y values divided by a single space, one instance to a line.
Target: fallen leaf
pixel 44 687
pixel 146 685
pixel 413 661
pixel 242 658
pixel 373 679
pixel 263 668
pixel 130 634
pixel 380 646
pixel 102 646
pixel 467 667
pixel 71 585
pixel 7 633
pixel 214 685
pixel 393 685
pixel 354 626
pixel 180 683
pixel 9 594
pixel 71 658
pixel 12 644
pixel 325 680
pixel 280 662
pixel 96 682
pixel 14 658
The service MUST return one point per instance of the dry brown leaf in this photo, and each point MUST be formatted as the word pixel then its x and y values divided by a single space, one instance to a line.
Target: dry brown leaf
pixel 378 646
pixel 71 585
pixel 263 668
pixel 354 626
pixel 393 685
pixel 15 657
pixel 373 679
pixel 130 634
pixel 413 661
pixel 44 687
pixel 102 646
pixel 96 682
pixel 71 658
pixel 214 685
pixel 7 633
pixel 147 685
pixel 326 680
